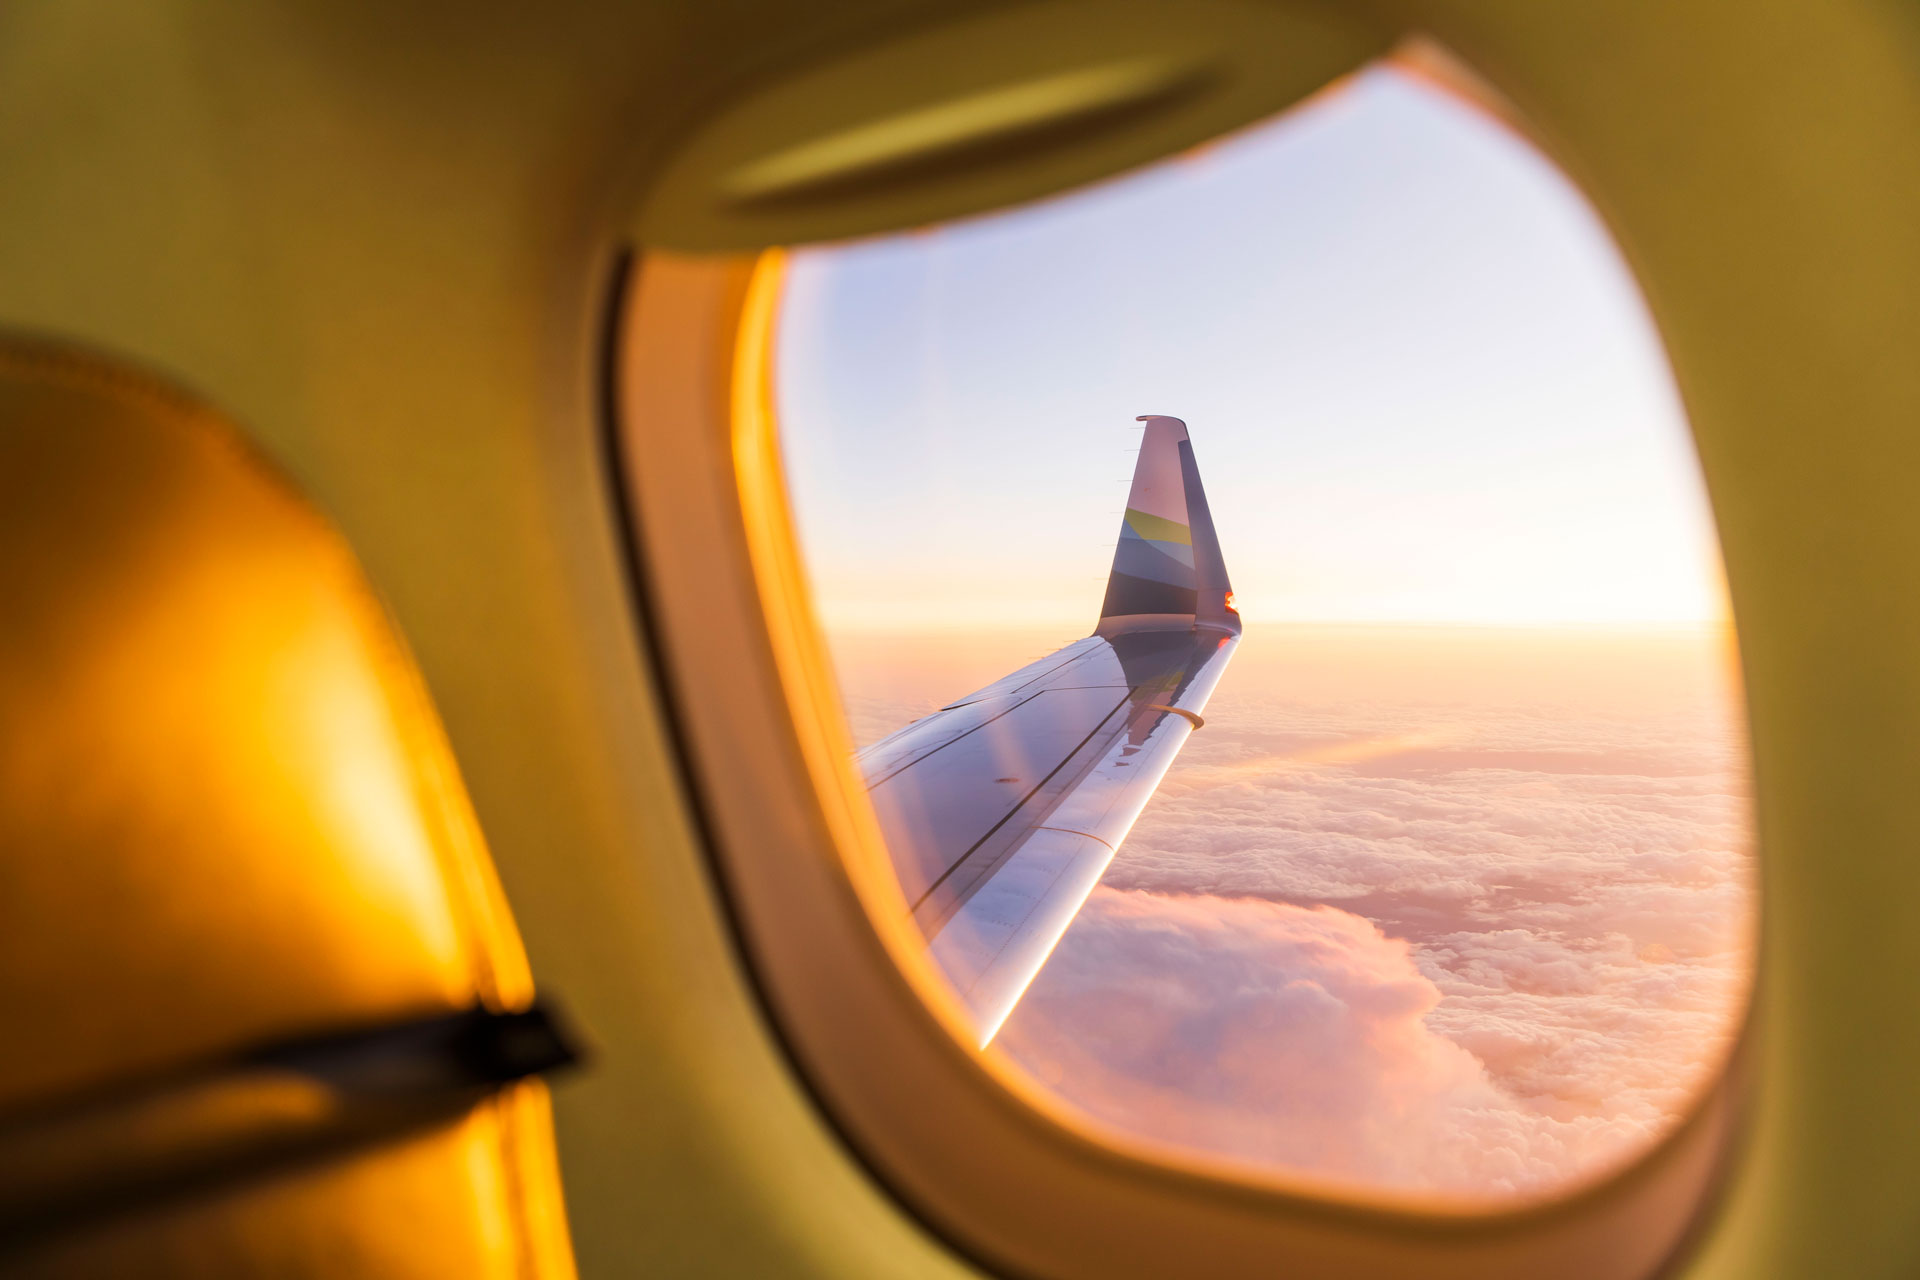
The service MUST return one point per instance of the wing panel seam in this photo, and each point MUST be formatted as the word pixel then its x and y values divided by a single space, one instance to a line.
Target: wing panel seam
pixel 988 834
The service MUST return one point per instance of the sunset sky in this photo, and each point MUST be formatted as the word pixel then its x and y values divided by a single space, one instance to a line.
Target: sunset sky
pixel 1420 382
pixel 1453 892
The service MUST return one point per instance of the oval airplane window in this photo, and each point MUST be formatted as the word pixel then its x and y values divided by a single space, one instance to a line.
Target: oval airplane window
pixel 1278 612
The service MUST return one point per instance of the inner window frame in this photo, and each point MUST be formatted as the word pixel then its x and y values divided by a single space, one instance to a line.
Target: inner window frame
pixel 978 1154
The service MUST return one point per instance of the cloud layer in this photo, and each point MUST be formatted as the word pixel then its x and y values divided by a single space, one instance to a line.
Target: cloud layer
pixel 1482 946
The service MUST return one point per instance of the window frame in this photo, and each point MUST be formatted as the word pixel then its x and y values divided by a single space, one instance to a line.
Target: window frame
pixel 981 1156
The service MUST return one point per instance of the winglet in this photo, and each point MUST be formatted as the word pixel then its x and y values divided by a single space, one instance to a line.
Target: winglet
pixel 1167 566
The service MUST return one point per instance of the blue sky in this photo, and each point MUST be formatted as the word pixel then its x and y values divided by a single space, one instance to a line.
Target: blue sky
pixel 1420 381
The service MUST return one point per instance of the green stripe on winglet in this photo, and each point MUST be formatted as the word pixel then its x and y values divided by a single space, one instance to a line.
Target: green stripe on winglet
pixel 1158 528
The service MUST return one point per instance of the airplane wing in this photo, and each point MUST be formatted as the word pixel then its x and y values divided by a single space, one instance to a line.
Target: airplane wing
pixel 1003 808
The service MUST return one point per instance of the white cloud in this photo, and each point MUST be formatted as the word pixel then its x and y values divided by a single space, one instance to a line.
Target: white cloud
pixel 1292 1035
pixel 1564 904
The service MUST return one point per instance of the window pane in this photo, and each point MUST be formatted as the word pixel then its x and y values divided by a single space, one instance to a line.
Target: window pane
pixel 1452 890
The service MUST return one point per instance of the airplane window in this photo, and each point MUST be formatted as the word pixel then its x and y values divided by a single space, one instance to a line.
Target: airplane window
pixel 1276 604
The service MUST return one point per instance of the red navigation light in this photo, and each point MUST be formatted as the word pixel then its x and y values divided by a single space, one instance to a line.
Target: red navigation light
pixel 1229 604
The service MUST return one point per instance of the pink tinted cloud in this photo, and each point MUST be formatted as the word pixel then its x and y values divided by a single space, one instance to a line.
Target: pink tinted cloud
pixel 1253 1029
pixel 1290 1035
pixel 1566 912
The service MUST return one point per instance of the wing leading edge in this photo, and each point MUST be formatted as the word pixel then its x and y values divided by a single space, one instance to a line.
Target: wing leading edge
pixel 1003 809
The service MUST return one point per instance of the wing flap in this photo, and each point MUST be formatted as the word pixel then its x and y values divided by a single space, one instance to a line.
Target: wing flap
pixel 995 945
pixel 938 810
pixel 981 824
